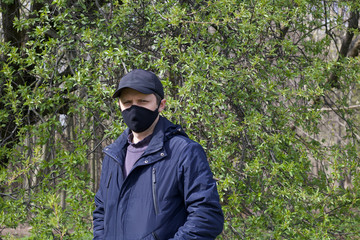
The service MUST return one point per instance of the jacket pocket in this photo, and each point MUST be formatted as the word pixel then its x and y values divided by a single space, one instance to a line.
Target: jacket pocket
pixel 154 195
pixel 108 182
pixel 151 236
pixel 155 236
pixel 107 188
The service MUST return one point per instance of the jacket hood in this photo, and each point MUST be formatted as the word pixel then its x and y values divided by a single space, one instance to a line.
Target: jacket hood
pixel 164 130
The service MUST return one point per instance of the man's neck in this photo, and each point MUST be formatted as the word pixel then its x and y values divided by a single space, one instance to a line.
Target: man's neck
pixel 137 137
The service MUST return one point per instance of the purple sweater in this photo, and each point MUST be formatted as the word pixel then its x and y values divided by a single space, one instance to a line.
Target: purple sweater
pixel 134 152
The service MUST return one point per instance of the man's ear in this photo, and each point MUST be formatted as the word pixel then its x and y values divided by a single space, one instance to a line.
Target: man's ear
pixel 162 105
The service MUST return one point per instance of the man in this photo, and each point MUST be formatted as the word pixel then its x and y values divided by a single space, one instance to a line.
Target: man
pixel 155 182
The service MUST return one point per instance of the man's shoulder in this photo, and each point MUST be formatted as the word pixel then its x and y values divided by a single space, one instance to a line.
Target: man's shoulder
pixel 118 144
pixel 182 142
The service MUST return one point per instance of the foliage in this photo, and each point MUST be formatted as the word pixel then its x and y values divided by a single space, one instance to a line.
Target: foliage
pixel 259 84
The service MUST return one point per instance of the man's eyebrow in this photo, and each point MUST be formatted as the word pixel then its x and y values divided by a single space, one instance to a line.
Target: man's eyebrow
pixel 123 99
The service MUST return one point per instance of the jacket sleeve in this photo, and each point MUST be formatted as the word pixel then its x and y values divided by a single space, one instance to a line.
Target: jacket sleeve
pixel 98 214
pixel 98 217
pixel 205 218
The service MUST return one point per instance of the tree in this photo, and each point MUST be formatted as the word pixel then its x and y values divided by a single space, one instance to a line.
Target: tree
pixel 267 87
pixel 45 120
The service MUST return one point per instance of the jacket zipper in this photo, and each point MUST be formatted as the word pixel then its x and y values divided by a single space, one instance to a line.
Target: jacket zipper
pixel 154 191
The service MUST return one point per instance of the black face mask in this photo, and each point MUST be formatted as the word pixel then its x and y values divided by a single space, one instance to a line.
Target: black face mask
pixel 138 119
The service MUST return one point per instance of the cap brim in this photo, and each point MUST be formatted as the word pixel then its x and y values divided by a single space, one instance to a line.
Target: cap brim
pixel 139 89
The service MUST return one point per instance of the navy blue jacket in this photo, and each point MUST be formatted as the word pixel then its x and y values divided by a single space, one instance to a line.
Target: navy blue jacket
pixel 170 192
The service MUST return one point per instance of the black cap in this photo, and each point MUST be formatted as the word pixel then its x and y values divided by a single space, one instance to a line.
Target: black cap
pixel 141 80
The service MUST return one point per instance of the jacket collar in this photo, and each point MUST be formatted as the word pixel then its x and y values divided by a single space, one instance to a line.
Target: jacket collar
pixel 163 131
pixel 116 149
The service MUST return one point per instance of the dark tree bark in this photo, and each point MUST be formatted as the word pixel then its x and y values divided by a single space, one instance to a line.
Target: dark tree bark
pixel 353 24
pixel 10 10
